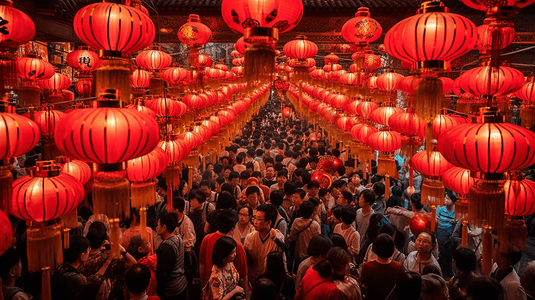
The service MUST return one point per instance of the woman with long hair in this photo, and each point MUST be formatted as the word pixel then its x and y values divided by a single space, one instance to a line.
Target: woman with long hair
pixel 284 284
pixel 223 282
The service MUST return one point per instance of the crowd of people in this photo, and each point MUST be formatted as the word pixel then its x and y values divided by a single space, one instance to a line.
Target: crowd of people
pixel 253 224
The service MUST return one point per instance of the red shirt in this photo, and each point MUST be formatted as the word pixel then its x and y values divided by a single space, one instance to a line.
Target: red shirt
pixel 379 279
pixel 315 287
pixel 205 257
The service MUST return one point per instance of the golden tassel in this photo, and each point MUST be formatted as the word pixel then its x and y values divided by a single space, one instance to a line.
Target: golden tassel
pixel 115 235
pixel 69 221
pixel 114 73
pixel 29 96
pixel 464 242
pixel 433 218
pixel 429 137
pixel 190 178
pixel 513 236
pixel 143 223
pixel 259 63
pixel 111 195
pixel 143 194
pixel 365 169
pixel 433 192
pixel 527 115
pixel 387 187
pixel 46 293
pixel 487 204
pixel 488 246
pixel 461 207
pixel 44 247
pixel 169 198
pixel 6 182
pixel 386 165
pixel 172 175
pixel 428 97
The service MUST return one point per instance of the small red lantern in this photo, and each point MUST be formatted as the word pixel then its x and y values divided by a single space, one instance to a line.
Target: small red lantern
pixel 362 29
pixel 77 169
pixel 519 195
pixel 287 111
pixel 419 222
pixel 300 48
pixel 407 123
pixel 324 179
pixel 57 82
pixel 128 30
pixel 194 33
pixel 175 75
pixel 385 141
pixel 83 59
pixel 154 59
pixel 140 79
pixel 84 87
pixel 388 81
pixel 505 30
pixel 31 68
pixel 383 114
pixel 47 120
pixel 365 108
pixel 18 133
pixel 487 5
pixel 503 81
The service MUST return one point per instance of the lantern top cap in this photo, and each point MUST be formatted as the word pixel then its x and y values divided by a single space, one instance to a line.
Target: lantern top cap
pixel 109 98
pixel 194 18
pixel 154 47
pixel 491 115
pixel 301 37
pixel 432 6
pixel 62 159
pixel 515 175
pixel 45 168
pixel 362 12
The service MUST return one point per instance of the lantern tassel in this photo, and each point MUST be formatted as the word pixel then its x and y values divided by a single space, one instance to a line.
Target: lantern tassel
pixel 461 207
pixel 486 257
pixel 386 165
pixel 527 115
pixel 44 247
pixel 111 195
pixel 433 192
pixel 115 234
pixel 46 292
pixel 114 72
pixel 428 97
pixel 259 63
pixel 429 137
pixel 464 242
pixel 487 204
pixel 69 221
pixel 143 194
pixel 387 187
pixel 6 183
pixel 433 218
pixel 513 236
pixel 143 223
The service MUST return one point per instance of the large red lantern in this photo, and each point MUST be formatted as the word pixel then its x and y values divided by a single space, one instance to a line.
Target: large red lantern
pixel 141 169
pixel 154 59
pixel 492 81
pixel 385 141
pixel 433 165
pixel 17 27
pixel 407 123
pixel 128 30
pixel 83 59
pixel 432 38
pixel 194 33
pixel 300 48
pixel 18 133
pixel 362 29
pixel 527 91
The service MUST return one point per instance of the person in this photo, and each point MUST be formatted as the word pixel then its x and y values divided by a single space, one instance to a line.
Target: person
pixel 137 279
pixel 417 260
pixel 139 248
pixel 351 236
pixel 446 224
pixel 528 280
pixel 263 240
pixel 346 284
pixel 379 205
pixel 506 274
pixel 364 213
pixel 282 177
pixel 317 283
pixel 264 289
pixel 464 267
pixel 395 199
pixel 170 274
pixel 224 278
pixel 134 230
pixel 244 225
pixel 252 197
pixel 184 228
pixel 379 276
pixel 317 251
pixel 399 241
pixel 10 271
pixel 198 214
pixel 269 179
pixel 297 197
pixel 302 231
pixel 485 288
pixel 276 271
pixel 409 286
pixel 434 287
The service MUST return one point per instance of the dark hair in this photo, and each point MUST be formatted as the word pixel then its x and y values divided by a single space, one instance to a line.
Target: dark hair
pixel 313 184
pixel 336 259
pixel 239 159
pixel 137 278
pixel 339 183
pixel 264 289
pixel 205 183
pixel 222 249
pixel 77 245
pixel 100 227
pixel 323 192
pixel 485 288
pixel 276 197
pixel 338 240
pixel 245 175
pixel 301 192
pixel 432 235
pixel 275 269
pixel 433 286
pixel 169 219
pixel 226 187
pixel 282 173
pixel 252 190
pixel 465 259
pixel 135 242
pixel 337 212
pixel 416 200
pixel 450 194
pixel 225 200
pixel 379 188
pixel 319 245
pixel 305 177
pixel 270 212
pixel 397 191
pixel 306 209
pixel 348 214
pixel 233 175
pixel 96 238
pixel 399 238
pixel 288 188
pixel 179 203
pixel 196 194
pixel 409 286
pixel 431 269
pixel 8 260
pixel 348 196
pixel 256 174
pixel 368 196
pixel 249 209
pixel 226 220
pixel 315 201
pixel 220 180
pixel 383 245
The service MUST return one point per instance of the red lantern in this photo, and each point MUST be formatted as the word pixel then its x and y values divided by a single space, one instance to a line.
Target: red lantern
pixel 128 30
pixel 388 81
pixel 84 87
pixel 83 59
pixel 154 59
pixel 430 163
pixel 362 29
pixel 287 111
pixel 407 123
pixel 77 169
pixel 32 68
pixel 106 135
pixel 527 91
pixel 385 141
pixel 519 195
pixel 419 222
pixel 140 79
pixel 191 138
pixel 6 233
pixel 365 108
pixel 47 120
pixel 300 48
pixel 202 61
pixel 194 33
pixel 432 38
pixel 458 180
pixel 176 149
pixel 18 135
pixel 442 123
pixel 148 166
pixel 166 107
pixel 383 114
pixel 490 27
pixel 241 45
pixel 57 82
pixel 503 81
pixel 45 195
pixel 175 75
pixel 17 27
pixel 325 180
pixel 487 5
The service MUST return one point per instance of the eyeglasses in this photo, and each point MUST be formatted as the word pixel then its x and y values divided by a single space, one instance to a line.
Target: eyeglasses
pixel 259 220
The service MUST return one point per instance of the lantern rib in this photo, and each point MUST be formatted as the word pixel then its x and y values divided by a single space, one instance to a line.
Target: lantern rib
pixel 53 182
pixel 94 40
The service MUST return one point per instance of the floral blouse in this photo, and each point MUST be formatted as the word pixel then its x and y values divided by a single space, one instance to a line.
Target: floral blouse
pixel 223 280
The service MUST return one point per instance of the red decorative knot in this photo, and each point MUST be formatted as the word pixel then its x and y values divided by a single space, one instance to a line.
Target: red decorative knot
pixel 194 33
pixel 385 141
pixel 128 30
pixel 57 82
pixel 31 68
pixel 17 28
pixel 503 81
pixel 45 195
pixel 154 59
pixel 281 14
pixel 430 163
pixel 362 28
pixel 487 147
pixel 148 166
pixel 300 48
pixel 140 79
pixel 433 37
pixel 106 135
pixel 83 59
